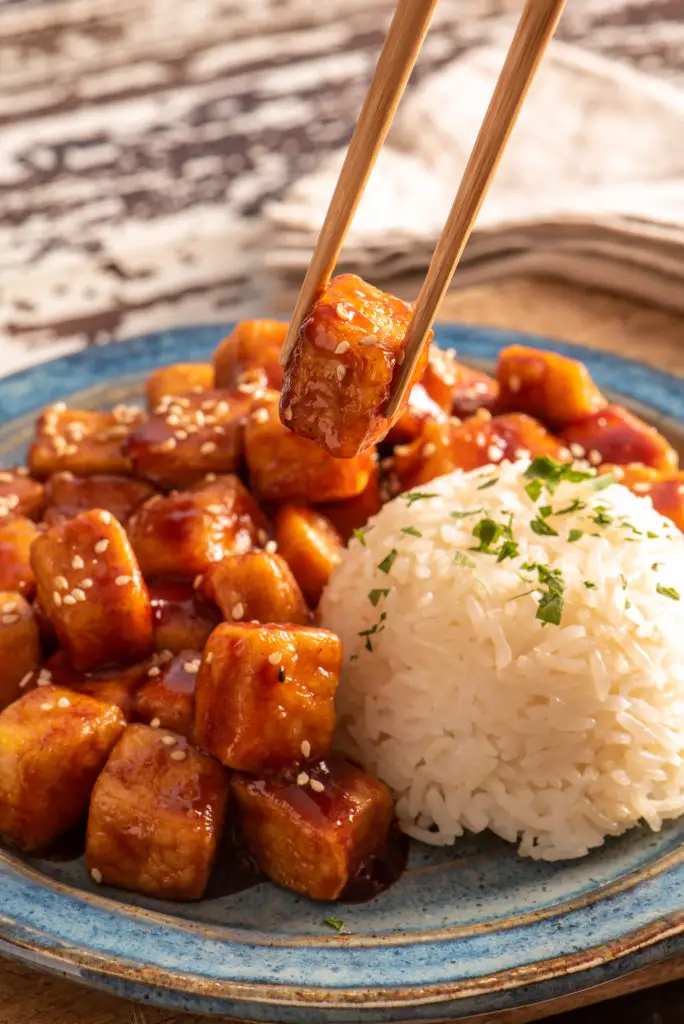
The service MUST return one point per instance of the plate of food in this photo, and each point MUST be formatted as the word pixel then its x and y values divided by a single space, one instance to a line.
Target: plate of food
pixel 310 716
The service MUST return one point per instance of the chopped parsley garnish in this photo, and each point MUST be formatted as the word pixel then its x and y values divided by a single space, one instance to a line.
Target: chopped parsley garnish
pixel 360 534
pixel 652 536
pixel 332 922
pixel 411 530
pixel 623 579
pixel 575 506
pixel 629 526
pixel 550 607
pixel 590 585
pixel 487 532
pixel 668 592
pixel 418 496
pixel 542 528
pixel 466 515
pixel 551 473
pixel 602 518
pixel 575 535
pixel 534 489
pixel 460 558
pixel 388 562
pixel 628 604
pixel 656 566
pixel 375 595
pixel 600 483
pixel 354 657
pixel 488 483
pixel 509 549
pixel 545 511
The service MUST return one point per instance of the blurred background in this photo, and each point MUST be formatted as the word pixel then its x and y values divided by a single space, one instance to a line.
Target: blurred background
pixel 143 141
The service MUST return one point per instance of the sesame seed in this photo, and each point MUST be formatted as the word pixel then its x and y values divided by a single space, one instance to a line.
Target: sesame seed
pixel 154 671
pixel 96 876
pixel 9 620
pixel 275 658
pixel 271 547
pixel 79 594
pixel 122 581
pixel 22 471
pixel 288 414
pixel 168 445
pixel 57 598
pixel 341 348
pixel 577 450
pixel 87 583
pixel 260 415
pixel 25 680
pixel 169 741
pixel 178 755
pixel 42 682
pixel 640 488
pixel 71 449
pixel 262 536
pixel 11 500
pixel 173 421
pixel 209 478
pixel 317 786
pixel 46 706
pixel 11 606
pixel 69 599
pixel 370 339
pixel 197 582
pixel 484 415
pixel 514 383
pixel 595 458
pixel 429 449
pixel 77 562
pixel 61 582
pixel 209 657
pixel 101 546
pixel 63 702
pixel 5 478
pixel 208 447
pixel 200 418
pixel 4 511
pixel 618 472
pixel 192 667
pixel 341 372
pixel 495 453
pixel 305 748
pixel 238 611
pixel 302 779
pixel 181 435
pixel 58 407
pixel 215 510
pixel 155 723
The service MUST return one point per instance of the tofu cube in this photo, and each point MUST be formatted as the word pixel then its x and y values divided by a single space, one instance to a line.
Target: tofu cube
pixel 17 534
pixel 182 617
pixel 310 545
pixel 339 375
pixel 156 816
pixel 257 586
pixel 190 436
pixel 311 831
pixel 167 696
pixel 68 495
pixel 83 442
pixel 459 390
pixel 178 379
pixel 20 651
pixel 553 388
pixel 91 588
pixel 20 494
pixel 184 534
pixel 285 467
pixel 249 356
pixel 353 513
pixel 53 744
pixel 615 435
pixel 265 695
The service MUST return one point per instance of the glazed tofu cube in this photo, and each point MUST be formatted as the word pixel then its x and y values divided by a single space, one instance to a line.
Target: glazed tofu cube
pixel 116 685
pixel 249 356
pixel 553 388
pixel 53 744
pixel 68 495
pixel 167 697
pixel 178 379
pixel 20 494
pixel 338 378
pixel 311 831
pixel 459 390
pixel 190 436
pixel 421 409
pixel 17 534
pixel 257 586
pixel 310 545
pixel 265 695
pixel 156 816
pixel 184 534
pixel 615 435
pixel 285 467
pixel 20 650
pixel 91 587
pixel 182 617
pixel 352 514
pixel 83 442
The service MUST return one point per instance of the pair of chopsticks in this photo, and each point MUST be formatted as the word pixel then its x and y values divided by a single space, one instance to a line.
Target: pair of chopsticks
pixel 404 39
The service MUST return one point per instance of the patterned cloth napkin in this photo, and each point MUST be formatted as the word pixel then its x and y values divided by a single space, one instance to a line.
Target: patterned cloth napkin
pixel 591 188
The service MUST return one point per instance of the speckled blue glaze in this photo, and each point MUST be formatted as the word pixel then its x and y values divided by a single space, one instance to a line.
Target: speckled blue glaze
pixel 468 930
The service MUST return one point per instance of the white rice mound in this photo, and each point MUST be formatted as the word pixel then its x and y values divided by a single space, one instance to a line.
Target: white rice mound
pixel 476 713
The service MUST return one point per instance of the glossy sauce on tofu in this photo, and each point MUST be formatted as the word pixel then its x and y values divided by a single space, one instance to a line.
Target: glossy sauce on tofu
pixel 168 684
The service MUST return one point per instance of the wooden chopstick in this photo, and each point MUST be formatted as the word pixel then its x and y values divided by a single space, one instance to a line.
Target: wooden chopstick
pixel 535 29
pixel 402 45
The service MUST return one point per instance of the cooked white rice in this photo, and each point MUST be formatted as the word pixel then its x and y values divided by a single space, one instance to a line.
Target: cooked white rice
pixel 479 715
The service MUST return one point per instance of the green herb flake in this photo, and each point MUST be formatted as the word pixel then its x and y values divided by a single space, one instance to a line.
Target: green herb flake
pixel 369 645
pixel 489 483
pixel 601 518
pixel 545 511
pixel 652 536
pixel 360 534
pixel 541 527
pixel 575 535
pixel 656 566
pixel 590 585
pixel 332 922
pixel 628 604
pixel 550 607
pixel 487 532
pixel 623 580
pixel 601 482
pixel 375 595
pixel 551 472
pixel 411 531
pixel 668 592
pixel 534 489
pixel 509 549
pixel 466 515
pixel 354 657
pixel 575 506
pixel 419 496
pixel 388 562
pixel 460 558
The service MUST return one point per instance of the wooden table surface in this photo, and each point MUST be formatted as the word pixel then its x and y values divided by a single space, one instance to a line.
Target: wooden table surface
pixel 137 149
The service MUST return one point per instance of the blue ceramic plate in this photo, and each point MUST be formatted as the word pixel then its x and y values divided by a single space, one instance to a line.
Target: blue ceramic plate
pixel 467 930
